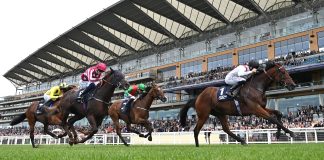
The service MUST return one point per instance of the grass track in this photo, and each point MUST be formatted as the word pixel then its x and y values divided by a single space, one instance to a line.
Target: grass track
pixel 153 152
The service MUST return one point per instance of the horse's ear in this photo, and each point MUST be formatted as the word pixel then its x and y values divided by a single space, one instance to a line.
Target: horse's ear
pixel 112 70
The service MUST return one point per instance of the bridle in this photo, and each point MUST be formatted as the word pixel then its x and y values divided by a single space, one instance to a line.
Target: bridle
pixel 115 83
pixel 281 73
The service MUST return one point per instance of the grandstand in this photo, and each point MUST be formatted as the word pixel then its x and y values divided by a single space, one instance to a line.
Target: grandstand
pixel 185 45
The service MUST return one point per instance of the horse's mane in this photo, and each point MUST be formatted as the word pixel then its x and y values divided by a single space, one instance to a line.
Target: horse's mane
pixel 147 89
pixel 269 64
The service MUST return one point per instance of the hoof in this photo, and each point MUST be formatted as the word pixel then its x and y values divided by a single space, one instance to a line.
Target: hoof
pixel 141 135
pixel 292 134
pixel 71 143
pixel 150 138
pixel 60 136
pixel 278 135
pixel 243 143
pixel 127 145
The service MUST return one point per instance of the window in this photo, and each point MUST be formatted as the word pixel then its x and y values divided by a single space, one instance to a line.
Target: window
pixel 195 66
pixel 220 61
pixel 296 44
pixel 320 36
pixel 257 53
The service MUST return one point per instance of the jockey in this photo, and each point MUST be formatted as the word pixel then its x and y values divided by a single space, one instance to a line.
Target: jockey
pixel 52 95
pixel 90 77
pixel 133 91
pixel 238 76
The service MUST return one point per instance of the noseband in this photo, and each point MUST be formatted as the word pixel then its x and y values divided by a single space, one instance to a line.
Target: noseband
pixel 281 74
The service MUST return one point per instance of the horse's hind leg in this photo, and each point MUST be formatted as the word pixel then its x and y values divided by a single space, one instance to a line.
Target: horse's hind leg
pixel 266 115
pixel 118 131
pixel 278 114
pixel 223 120
pixel 201 121
pixel 46 131
pixel 31 132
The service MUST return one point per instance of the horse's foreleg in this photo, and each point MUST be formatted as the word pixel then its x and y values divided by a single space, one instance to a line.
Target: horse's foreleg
pixel 129 128
pixel 67 131
pixel 148 126
pixel 223 120
pixel 261 112
pixel 94 128
pixel 62 135
pixel 71 122
pixel 46 131
pixel 118 131
pixel 278 114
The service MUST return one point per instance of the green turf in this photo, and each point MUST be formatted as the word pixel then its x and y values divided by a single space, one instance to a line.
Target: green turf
pixel 152 152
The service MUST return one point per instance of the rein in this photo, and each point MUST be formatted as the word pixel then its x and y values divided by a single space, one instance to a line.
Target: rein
pixel 102 82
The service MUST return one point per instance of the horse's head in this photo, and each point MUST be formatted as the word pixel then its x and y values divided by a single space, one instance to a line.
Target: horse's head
pixel 278 73
pixel 115 78
pixel 157 92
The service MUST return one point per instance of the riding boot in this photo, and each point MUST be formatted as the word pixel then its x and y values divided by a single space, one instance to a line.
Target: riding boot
pixel 87 90
pixel 232 91
pixel 41 109
pixel 128 105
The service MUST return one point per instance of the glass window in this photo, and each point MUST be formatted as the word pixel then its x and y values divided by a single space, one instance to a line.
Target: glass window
pixel 321 42
pixel 277 44
pixel 320 34
pixel 298 39
pixel 291 41
pixel 298 46
pixel 284 43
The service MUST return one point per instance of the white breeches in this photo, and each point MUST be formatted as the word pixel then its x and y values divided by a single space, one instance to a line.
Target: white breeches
pixel 83 84
pixel 46 98
pixel 233 80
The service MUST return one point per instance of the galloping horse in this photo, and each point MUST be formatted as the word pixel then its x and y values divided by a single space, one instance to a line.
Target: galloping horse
pixel 138 114
pixel 47 118
pixel 95 109
pixel 252 100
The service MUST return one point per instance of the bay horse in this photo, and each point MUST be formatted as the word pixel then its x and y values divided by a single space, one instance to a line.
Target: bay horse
pixel 51 116
pixel 138 113
pixel 251 98
pixel 95 109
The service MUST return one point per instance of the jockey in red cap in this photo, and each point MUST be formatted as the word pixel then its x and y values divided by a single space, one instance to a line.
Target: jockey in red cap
pixel 90 77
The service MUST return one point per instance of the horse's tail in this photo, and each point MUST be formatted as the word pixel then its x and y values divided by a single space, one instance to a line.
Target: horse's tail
pixel 18 119
pixel 184 111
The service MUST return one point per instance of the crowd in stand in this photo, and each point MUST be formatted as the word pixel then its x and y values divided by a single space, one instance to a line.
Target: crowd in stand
pixel 197 78
pixel 305 117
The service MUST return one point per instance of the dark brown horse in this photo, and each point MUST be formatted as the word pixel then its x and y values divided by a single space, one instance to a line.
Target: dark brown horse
pixel 138 114
pixel 52 116
pixel 251 98
pixel 95 109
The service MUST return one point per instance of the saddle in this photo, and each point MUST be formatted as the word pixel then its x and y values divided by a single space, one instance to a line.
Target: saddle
pixel 126 106
pixel 221 94
pixel 84 98
pixel 222 97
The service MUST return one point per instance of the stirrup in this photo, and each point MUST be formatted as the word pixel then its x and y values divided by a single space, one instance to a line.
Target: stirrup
pixel 230 94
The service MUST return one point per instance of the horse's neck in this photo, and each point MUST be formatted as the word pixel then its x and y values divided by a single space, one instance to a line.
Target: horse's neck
pixel 105 93
pixel 260 82
pixel 147 101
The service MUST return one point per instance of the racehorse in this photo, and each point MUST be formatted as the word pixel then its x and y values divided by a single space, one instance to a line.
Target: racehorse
pixel 52 116
pixel 251 98
pixel 138 114
pixel 94 109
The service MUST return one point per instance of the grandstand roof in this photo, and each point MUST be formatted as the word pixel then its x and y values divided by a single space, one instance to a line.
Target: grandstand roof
pixel 131 27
